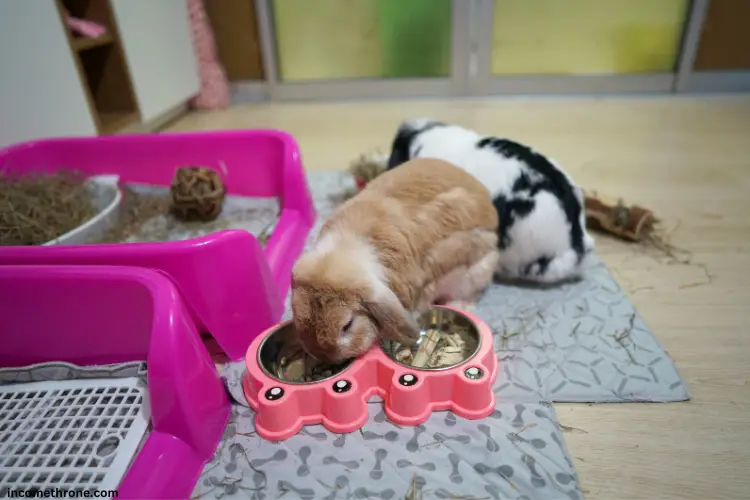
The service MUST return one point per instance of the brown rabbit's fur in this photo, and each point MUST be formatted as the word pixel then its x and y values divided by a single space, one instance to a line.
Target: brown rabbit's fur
pixel 380 257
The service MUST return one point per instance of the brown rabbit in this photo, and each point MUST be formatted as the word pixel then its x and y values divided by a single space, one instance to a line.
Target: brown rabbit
pixel 420 234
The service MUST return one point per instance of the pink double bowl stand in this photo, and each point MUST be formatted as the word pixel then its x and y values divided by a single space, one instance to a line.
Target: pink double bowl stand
pixel 103 304
pixel 339 402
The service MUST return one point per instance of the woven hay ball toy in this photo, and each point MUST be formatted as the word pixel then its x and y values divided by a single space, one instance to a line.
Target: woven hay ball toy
pixel 197 194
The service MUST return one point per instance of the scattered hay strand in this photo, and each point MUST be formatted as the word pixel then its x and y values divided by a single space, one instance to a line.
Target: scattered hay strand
pixel 414 492
pixel 137 209
pixel 267 232
pixel 40 207
pixel 504 340
pixel 624 335
pixel 572 430
pixel 642 227
pixel 632 223
pixel 657 237
pixel 523 428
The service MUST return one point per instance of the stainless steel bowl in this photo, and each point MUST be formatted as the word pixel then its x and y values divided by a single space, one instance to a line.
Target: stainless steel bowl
pixel 443 320
pixel 281 357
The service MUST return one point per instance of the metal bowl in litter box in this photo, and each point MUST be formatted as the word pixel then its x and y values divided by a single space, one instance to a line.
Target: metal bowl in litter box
pixel 288 390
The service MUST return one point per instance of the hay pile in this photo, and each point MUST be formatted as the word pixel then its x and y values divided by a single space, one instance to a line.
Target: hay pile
pixel 37 208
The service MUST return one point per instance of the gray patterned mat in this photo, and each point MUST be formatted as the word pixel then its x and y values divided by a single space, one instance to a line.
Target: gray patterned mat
pixel 516 453
pixel 581 342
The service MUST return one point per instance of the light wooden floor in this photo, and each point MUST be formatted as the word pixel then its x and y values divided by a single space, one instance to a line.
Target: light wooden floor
pixel 689 160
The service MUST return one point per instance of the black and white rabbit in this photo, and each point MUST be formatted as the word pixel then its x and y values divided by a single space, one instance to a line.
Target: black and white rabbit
pixel 542 232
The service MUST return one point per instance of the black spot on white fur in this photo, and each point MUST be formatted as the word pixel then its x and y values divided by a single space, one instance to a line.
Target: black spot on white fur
pixel 538 267
pixel 548 178
pixel 405 135
pixel 508 212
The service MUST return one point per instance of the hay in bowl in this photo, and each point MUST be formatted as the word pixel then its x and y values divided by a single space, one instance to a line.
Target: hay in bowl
pixel 281 356
pixel 447 339
pixel 38 207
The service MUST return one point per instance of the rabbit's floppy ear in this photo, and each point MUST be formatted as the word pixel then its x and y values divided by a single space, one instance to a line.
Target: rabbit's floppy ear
pixel 394 320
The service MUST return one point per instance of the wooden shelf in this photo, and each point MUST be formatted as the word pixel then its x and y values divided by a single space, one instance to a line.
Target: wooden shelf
pixel 112 121
pixel 102 66
pixel 82 43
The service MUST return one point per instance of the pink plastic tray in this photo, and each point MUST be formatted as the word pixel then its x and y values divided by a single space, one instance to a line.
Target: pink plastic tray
pixel 234 288
pixel 100 315
pixel 340 402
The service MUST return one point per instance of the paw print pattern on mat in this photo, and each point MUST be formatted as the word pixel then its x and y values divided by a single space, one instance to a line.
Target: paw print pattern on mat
pixel 516 452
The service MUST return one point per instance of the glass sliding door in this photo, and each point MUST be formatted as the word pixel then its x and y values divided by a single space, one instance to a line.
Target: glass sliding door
pixel 580 45
pixel 360 48
pixel 339 49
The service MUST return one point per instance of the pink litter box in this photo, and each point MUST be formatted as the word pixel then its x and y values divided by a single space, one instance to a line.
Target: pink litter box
pixel 93 433
pixel 339 398
pixel 232 286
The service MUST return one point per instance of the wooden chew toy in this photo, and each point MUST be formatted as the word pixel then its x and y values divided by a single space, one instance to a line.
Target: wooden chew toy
pixel 627 222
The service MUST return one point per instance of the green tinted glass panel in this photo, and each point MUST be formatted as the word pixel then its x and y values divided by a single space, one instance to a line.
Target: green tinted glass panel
pixel 586 36
pixel 351 39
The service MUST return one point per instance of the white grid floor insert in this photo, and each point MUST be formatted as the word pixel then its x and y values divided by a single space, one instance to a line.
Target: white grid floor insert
pixel 70 434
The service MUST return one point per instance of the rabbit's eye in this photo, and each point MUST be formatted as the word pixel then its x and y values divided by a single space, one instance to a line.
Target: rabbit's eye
pixel 348 325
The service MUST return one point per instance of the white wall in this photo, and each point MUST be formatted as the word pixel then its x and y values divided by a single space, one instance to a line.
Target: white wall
pixel 158 46
pixel 40 91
